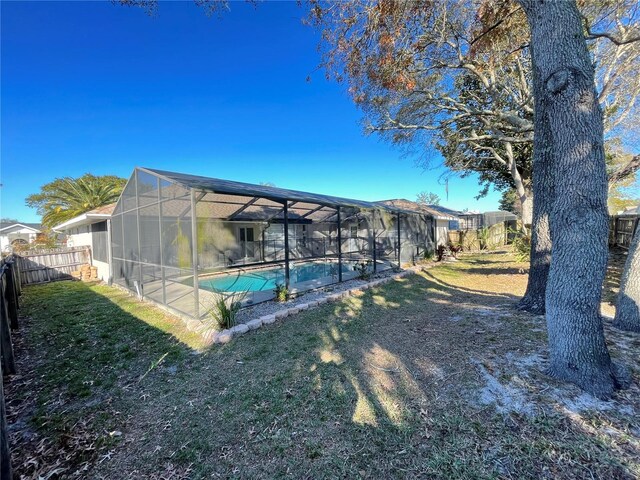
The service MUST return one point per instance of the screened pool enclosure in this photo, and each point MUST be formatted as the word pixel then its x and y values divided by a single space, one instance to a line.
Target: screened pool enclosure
pixel 181 240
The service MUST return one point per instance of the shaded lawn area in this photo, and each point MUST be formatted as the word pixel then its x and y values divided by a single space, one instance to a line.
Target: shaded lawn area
pixel 434 376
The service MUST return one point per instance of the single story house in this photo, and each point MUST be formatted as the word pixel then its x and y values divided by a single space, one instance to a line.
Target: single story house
pixel 92 229
pixel 13 234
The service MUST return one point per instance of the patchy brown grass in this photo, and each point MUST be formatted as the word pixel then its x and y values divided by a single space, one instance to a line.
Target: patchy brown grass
pixel 432 376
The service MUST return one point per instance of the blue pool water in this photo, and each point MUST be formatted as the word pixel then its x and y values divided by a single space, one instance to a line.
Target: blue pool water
pixel 266 279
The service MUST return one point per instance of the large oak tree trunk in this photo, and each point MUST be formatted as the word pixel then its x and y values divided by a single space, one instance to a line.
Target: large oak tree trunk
pixel 628 304
pixel 578 220
pixel 534 297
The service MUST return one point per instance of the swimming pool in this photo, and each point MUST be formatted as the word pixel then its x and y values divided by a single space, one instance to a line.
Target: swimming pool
pixel 266 279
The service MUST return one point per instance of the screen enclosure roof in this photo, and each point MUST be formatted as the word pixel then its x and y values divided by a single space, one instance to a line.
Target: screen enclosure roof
pixel 231 187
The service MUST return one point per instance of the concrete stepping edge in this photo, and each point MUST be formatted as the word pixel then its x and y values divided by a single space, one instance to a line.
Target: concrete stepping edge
pixel 268 319
pixel 254 324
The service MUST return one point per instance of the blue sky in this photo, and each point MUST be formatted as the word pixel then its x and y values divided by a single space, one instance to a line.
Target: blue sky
pixel 101 88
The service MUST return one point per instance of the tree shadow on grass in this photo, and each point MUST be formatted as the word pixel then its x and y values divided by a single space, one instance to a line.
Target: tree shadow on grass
pixel 386 389
pixel 379 385
pixel 492 258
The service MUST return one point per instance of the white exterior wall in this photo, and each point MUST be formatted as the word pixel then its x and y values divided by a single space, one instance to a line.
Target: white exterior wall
pixel 442 232
pixel 81 237
pixel 103 269
pixel 258 227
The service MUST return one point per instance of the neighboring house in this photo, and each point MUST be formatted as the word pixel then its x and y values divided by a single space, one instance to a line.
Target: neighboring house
pixel 444 217
pixel 476 220
pixel 13 234
pixel 92 229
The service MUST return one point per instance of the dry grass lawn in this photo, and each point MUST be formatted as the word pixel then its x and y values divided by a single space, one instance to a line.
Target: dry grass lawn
pixel 432 376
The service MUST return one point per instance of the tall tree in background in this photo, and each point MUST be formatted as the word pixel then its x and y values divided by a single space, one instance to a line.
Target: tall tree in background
pixel 436 74
pixel 570 122
pixel 65 198
pixel 428 198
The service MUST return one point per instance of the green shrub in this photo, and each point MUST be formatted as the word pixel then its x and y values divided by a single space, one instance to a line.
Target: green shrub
pixel 225 308
pixel 521 245
pixel 483 238
pixel 428 255
pixel 282 292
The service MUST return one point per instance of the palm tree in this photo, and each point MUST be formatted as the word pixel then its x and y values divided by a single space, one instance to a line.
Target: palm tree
pixel 67 197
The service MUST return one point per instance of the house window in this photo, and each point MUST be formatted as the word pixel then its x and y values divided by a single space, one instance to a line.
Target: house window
pixel 246 234
pixel 354 231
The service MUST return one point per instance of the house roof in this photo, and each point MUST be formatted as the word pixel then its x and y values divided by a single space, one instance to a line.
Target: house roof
pixel 92 216
pixel 104 210
pixel 36 227
pixel 263 191
pixel 453 214
pixel 440 213
pixel 492 217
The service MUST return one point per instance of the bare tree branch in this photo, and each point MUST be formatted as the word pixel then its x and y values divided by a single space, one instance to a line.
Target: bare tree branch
pixel 595 35
pixel 625 171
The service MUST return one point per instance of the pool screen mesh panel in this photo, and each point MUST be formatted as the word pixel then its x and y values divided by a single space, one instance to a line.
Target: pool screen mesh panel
pixel 181 240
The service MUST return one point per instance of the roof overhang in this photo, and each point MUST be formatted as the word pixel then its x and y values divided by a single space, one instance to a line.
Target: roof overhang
pixel 81 220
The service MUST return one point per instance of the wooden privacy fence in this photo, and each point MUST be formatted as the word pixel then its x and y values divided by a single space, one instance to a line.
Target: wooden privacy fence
pixel 471 240
pixel 621 230
pixel 42 266
pixel 9 292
